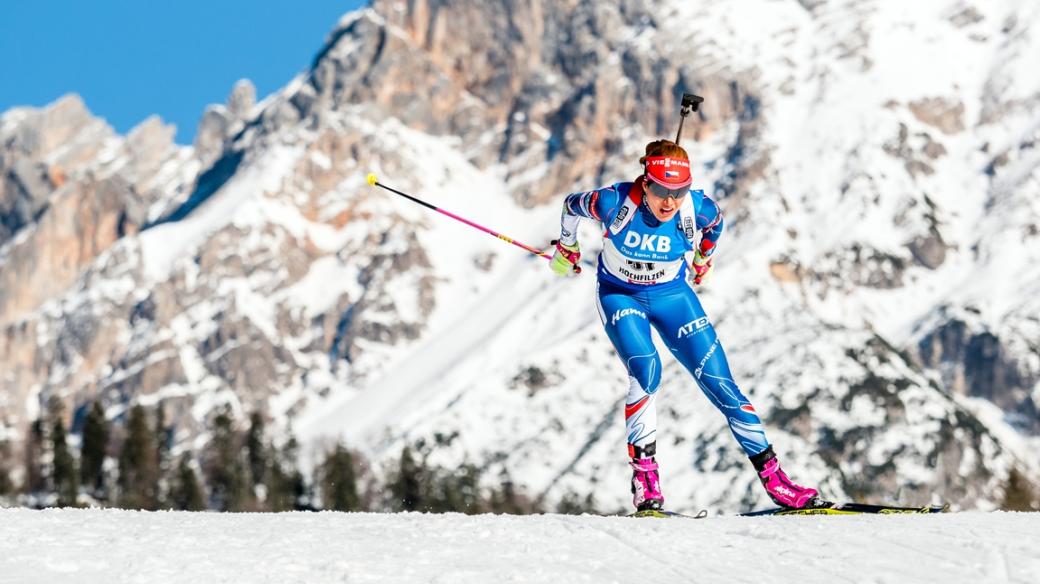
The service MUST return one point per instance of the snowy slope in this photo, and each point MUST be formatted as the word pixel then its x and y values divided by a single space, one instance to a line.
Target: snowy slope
pixel 92 546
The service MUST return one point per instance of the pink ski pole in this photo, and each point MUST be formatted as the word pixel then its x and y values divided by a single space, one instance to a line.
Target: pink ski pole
pixel 372 180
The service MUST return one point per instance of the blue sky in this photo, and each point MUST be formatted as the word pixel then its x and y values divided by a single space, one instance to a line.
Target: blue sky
pixel 131 59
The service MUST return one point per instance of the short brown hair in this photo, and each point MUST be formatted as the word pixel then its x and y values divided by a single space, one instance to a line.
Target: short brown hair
pixel 664 148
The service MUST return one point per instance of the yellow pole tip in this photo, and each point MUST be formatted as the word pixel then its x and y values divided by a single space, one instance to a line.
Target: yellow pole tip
pixel 372 180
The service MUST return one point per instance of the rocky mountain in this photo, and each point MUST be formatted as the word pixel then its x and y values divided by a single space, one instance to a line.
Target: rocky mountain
pixel 876 289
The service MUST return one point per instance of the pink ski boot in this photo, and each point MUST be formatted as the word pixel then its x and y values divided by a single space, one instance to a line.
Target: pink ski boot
pixel 781 490
pixel 646 483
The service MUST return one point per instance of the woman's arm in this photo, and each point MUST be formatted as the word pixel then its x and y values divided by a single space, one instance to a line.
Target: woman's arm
pixel 595 204
pixel 711 224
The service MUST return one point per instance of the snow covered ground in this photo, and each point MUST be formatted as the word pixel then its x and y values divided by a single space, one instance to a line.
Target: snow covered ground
pixel 86 546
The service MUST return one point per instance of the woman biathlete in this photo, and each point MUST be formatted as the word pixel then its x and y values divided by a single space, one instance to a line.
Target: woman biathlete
pixel 650 225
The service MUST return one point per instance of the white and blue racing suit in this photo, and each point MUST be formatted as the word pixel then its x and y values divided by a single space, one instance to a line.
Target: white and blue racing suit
pixel 642 282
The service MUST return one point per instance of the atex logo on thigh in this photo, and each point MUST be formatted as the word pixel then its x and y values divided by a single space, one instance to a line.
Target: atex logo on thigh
pixel 692 327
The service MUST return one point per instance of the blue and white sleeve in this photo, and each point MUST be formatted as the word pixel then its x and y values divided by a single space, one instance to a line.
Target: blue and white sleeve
pixel 595 204
pixel 710 223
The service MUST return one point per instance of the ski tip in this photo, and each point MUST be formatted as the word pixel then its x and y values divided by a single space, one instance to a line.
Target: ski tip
pixel 372 180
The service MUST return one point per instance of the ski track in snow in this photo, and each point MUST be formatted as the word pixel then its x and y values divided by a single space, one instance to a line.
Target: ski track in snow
pixel 112 546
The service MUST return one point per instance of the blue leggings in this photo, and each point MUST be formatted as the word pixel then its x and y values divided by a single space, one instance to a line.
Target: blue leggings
pixel 674 310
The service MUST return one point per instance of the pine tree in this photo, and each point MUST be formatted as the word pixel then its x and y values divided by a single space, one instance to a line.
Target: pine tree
pixel 35 477
pixel 466 483
pixel 139 464
pixel 279 491
pixel 506 498
pixel 453 490
pixel 256 451
pixel 163 437
pixel 339 481
pixel 574 504
pixel 6 484
pixel 286 488
pixel 94 449
pixel 64 475
pixel 225 469
pixel 1019 494
pixel 407 486
pixel 185 491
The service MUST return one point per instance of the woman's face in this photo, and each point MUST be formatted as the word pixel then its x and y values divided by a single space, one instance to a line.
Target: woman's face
pixel 664 208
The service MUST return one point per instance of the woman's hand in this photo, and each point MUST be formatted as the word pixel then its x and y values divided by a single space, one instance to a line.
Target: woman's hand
pixel 565 258
pixel 701 267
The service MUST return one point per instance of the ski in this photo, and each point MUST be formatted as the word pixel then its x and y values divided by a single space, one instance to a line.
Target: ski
pixel 830 508
pixel 667 514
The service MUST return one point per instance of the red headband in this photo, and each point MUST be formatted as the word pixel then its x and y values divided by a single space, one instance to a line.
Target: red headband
pixel 668 171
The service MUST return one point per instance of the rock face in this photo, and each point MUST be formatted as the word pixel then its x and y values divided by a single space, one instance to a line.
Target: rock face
pixel 977 364
pixel 72 189
pixel 875 287
pixel 550 101
pixel 27 180
pixel 221 122
pixel 945 115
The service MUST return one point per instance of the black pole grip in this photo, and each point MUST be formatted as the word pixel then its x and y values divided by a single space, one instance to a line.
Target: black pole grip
pixel 690 103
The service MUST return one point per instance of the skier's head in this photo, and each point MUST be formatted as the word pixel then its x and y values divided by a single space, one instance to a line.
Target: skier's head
pixel 666 177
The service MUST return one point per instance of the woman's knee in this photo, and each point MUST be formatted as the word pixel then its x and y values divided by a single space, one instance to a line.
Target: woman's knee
pixel 646 370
